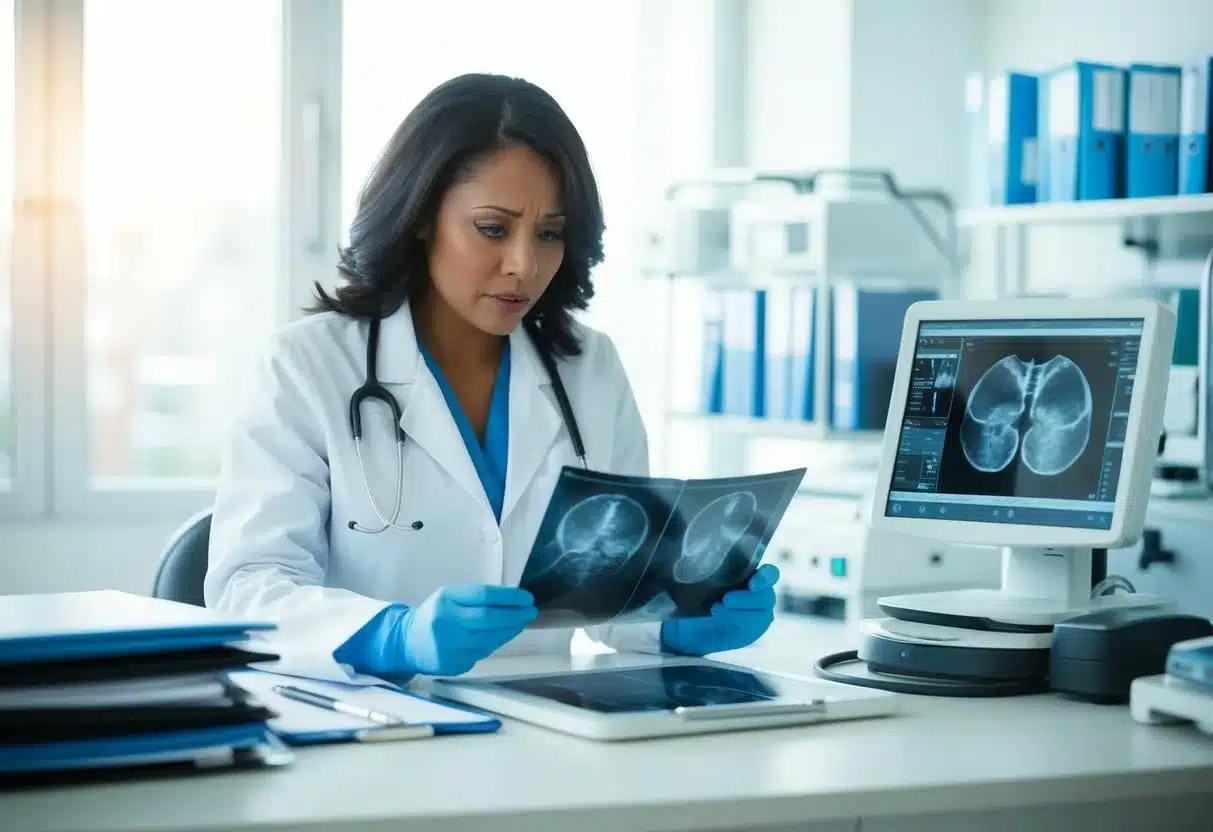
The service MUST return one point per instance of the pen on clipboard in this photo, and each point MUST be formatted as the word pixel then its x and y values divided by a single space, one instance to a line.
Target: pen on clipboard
pixel 391 726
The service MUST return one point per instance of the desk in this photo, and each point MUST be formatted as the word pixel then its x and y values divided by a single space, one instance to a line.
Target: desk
pixel 1038 763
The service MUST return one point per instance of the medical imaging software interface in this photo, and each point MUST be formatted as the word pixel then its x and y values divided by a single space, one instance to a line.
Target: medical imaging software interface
pixel 1016 421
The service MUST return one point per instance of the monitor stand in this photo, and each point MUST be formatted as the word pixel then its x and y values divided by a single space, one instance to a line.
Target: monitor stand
pixel 1040 588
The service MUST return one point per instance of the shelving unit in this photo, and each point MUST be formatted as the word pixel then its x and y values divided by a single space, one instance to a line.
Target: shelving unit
pixel 1103 210
pixel 1178 227
pixel 869 232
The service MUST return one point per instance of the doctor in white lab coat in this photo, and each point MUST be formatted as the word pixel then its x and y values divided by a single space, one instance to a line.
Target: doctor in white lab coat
pixel 473 244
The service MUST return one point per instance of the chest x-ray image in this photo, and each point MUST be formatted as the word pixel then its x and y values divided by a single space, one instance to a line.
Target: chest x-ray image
pixel 617 548
pixel 1030 417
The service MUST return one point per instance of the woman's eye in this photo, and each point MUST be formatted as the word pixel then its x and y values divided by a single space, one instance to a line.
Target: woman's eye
pixel 492 230
pixel 551 235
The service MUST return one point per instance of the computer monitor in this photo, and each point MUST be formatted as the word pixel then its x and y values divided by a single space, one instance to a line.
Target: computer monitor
pixel 1028 424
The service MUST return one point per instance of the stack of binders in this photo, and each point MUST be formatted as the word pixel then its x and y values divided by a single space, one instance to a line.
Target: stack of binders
pixel 112 684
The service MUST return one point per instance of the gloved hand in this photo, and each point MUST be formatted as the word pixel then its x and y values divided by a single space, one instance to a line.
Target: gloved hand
pixel 445 635
pixel 458 626
pixel 737 620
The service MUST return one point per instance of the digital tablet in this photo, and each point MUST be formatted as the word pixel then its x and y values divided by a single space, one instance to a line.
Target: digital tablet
pixel 675 696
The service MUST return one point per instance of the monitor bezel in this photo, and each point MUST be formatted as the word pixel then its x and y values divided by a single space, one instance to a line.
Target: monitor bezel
pixel 1142 434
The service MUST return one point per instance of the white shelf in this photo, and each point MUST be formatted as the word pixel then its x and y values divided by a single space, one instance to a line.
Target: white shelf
pixel 1103 210
pixel 774 278
pixel 779 428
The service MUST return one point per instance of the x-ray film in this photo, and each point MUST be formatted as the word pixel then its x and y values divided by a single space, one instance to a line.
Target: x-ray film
pixel 619 549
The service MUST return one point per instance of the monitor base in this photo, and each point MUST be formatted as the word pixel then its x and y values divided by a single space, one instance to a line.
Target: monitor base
pixel 1040 588
pixel 998 611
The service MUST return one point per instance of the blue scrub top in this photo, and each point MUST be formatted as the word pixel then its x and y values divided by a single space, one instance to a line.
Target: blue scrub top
pixel 489 459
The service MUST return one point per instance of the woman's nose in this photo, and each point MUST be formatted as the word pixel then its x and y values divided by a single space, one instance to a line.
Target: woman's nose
pixel 520 259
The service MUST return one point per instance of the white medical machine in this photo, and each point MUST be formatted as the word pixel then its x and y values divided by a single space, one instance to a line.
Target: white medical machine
pixel 835 567
pixel 1031 426
pixel 667 696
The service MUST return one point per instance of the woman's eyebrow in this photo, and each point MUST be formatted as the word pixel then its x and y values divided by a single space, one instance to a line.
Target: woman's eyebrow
pixel 513 213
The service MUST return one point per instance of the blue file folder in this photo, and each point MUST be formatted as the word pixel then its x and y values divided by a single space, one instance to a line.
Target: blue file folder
pixel 1152 159
pixel 1083 117
pixel 802 360
pixel 866 340
pixel 1194 176
pixel 129 749
pixel 711 385
pixel 1012 104
pixel 744 335
pixel 72 625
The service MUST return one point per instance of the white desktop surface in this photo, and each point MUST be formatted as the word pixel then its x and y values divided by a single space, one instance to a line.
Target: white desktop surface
pixel 969 760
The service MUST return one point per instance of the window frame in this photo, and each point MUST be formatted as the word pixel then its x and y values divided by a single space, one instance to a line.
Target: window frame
pixel 50 277
pixel 28 291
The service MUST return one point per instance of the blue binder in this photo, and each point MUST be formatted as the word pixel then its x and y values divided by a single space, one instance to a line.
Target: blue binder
pixel 866 340
pixel 1012 103
pixel 1194 177
pixel 1084 116
pixel 71 625
pixel 128 749
pixel 711 385
pixel 778 374
pixel 1152 159
pixel 744 335
pixel 802 358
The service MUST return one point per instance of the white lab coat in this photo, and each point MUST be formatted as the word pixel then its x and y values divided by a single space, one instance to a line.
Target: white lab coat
pixel 280 543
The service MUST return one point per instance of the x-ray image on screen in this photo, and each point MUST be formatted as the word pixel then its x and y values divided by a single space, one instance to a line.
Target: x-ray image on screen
pixel 623 549
pixel 1029 417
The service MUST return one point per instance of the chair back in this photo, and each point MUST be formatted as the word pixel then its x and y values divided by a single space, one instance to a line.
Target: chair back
pixel 183 564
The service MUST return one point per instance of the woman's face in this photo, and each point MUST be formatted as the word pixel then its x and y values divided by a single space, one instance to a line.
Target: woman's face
pixel 498 240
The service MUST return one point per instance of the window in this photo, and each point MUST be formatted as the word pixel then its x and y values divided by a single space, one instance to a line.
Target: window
pixel 148 149
pixel 180 196
pixel 8 421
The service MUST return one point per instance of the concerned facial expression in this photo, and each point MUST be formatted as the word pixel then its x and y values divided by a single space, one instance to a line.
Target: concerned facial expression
pixel 498 239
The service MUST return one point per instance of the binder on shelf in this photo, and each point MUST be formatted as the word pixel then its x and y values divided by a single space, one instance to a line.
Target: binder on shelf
pixel 1152 158
pixel 866 339
pixel 1012 112
pixel 802 361
pixel 744 334
pixel 711 386
pixel 977 116
pixel 778 375
pixel 1194 158
pixel 1082 113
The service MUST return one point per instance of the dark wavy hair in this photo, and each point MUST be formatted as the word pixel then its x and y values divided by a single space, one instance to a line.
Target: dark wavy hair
pixel 438 143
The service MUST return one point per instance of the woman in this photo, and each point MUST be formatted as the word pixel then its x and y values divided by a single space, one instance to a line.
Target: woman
pixel 472 247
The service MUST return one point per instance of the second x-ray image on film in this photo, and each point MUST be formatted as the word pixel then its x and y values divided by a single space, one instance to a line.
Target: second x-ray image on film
pixel 617 548
pixel 1029 417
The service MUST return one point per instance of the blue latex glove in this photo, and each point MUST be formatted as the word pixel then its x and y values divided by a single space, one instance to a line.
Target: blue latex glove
pixel 444 636
pixel 737 620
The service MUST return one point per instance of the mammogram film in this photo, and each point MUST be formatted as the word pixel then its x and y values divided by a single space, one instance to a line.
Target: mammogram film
pixel 627 549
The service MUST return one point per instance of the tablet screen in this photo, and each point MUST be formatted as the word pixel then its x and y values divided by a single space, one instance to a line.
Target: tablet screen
pixel 639 689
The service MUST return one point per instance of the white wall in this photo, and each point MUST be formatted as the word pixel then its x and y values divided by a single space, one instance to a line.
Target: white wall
pixel 1035 35
pixel 69 556
pixel 797 102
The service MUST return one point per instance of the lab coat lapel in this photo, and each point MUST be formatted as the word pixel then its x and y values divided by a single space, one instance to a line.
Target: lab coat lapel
pixel 534 419
pixel 425 417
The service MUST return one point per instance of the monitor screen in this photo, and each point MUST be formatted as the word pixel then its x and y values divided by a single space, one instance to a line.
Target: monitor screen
pixel 1016 421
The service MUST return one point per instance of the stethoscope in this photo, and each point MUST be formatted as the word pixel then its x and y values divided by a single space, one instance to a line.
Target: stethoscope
pixel 372 389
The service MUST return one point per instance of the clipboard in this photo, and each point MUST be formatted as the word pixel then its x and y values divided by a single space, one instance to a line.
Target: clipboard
pixel 298 723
